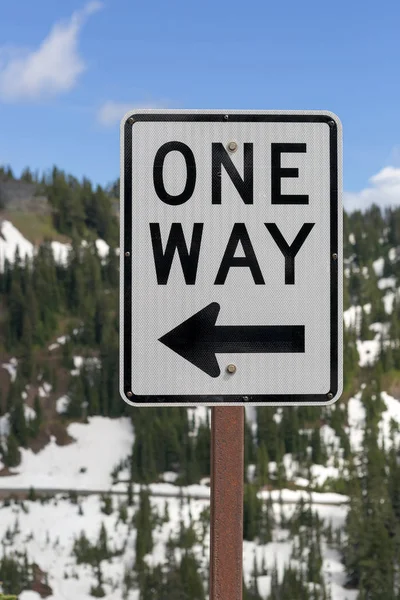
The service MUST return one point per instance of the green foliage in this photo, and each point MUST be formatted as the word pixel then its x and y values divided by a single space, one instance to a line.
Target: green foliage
pixel 163 443
pixel 106 504
pixel 11 455
pixel 176 581
pixel 42 299
pixel 371 553
pixel 78 208
pixel 94 554
pixel 252 510
pixel 144 526
pixel 16 573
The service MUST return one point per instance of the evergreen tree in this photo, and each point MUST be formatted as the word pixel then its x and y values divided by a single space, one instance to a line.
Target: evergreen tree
pixel 143 522
pixel 191 580
pixel 12 455
pixel 251 513
pixel 262 472
pixel 18 422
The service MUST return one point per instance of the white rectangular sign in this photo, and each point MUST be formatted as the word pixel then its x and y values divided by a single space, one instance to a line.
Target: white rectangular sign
pixel 231 257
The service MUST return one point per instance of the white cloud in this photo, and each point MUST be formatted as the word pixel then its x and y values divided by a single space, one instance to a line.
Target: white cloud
pixel 110 113
pixel 52 68
pixel 384 190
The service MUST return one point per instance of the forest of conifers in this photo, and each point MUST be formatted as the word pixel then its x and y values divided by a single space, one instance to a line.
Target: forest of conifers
pixel 41 299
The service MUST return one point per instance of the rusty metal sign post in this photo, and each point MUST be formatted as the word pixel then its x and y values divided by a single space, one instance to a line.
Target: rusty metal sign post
pixel 226 518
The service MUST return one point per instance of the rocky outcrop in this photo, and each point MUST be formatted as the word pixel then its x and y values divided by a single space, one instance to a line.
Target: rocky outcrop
pixel 18 195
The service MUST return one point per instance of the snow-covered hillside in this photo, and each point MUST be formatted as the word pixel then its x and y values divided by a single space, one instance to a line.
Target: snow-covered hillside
pixel 11 240
pixel 85 464
pixel 88 478
pixel 47 531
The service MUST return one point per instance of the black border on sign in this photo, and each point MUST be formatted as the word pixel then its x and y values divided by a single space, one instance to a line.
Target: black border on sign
pixel 192 400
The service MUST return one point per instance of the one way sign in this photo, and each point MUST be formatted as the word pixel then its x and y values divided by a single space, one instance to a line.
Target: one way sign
pixel 231 257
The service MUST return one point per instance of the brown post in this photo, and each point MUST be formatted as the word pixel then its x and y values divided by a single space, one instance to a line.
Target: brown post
pixel 226 517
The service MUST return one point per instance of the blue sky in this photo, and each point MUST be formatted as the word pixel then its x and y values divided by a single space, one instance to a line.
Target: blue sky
pixel 70 70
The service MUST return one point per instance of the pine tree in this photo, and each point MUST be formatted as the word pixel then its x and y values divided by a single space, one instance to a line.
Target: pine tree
pixel 191 580
pixel 317 451
pixel 251 513
pixel 262 470
pixel 12 456
pixel 18 422
pixel 203 442
pixel 143 522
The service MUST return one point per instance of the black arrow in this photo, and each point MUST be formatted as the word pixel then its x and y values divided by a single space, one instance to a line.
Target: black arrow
pixel 198 339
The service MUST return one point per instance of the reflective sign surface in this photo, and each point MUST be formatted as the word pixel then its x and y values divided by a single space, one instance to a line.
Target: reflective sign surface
pixel 231 254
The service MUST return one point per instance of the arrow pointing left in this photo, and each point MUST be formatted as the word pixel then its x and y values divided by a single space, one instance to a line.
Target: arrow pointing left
pixel 199 339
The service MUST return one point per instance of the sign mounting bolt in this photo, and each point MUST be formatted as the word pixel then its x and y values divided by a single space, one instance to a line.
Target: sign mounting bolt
pixel 131 120
pixel 129 394
pixel 127 254
pixel 232 146
pixel 231 369
pixel 226 117
pixel 334 256
pixel 329 396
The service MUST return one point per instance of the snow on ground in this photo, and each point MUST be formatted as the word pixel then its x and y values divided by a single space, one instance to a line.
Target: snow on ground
pixel 79 361
pixel 392 254
pixel 381 328
pixel 61 252
pixel 10 240
pixel 4 426
pixel 198 416
pixel 44 389
pixel 102 248
pixel 100 445
pixel 29 413
pixel 251 416
pixel 293 496
pixel 387 282
pixel 388 300
pixel 29 595
pixel 47 533
pixel 11 367
pixel 329 437
pixel 320 473
pixel 390 420
pixel 279 552
pixel 197 490
pixel 378 266
pixel 352 316
pixel 170 476
pixel 368 351
pixel 60 341
pixel 356 419
pixel 301 482
pixel 62 404
pixel 333 570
